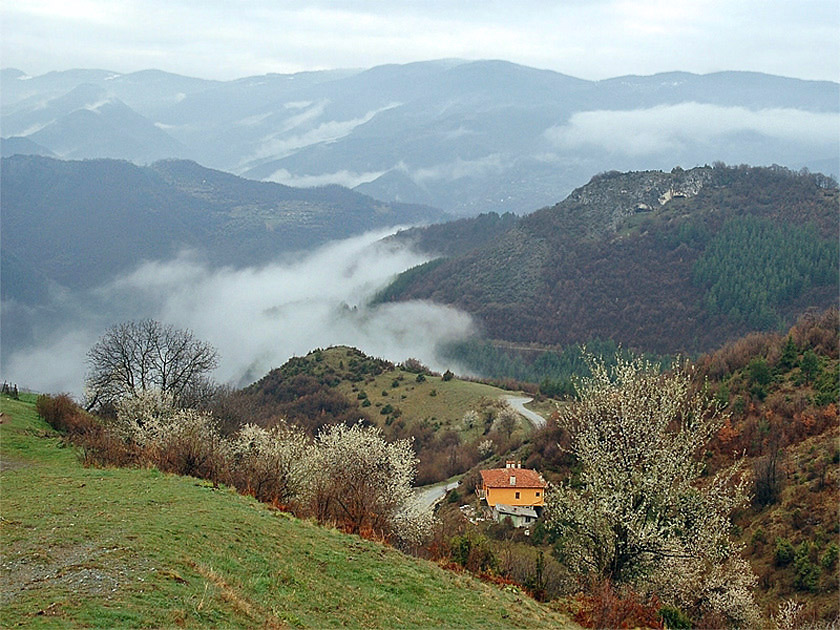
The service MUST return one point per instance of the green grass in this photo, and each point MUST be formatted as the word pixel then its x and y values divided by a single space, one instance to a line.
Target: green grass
pixel 441 403
pixel 84 547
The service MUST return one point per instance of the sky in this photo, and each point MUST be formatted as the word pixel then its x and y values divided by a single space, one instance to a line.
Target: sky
pixel 589 39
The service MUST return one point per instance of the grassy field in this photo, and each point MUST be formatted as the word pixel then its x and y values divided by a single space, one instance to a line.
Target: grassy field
pixel 84 547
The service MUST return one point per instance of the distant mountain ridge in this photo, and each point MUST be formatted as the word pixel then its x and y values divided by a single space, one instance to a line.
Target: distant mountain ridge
pixel 70 226
pixel 466 136
pixel 660 262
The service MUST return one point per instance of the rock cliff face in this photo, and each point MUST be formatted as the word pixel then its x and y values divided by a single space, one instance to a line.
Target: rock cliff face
pixel 611 197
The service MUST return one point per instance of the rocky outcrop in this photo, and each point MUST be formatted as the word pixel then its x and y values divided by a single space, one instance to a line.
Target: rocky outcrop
pixel 613 196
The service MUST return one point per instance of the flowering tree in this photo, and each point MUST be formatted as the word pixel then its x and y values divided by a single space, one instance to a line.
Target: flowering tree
pixel 183 441
pixel 637 514
pixel 362 481
pixel 272 464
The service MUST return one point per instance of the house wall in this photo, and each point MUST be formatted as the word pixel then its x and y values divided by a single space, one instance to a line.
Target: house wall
pixel 507 496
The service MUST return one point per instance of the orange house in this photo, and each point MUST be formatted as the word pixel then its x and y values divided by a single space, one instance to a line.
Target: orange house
pixel 512 486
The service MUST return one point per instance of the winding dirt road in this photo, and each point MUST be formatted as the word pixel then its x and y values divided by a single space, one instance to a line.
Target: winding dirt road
pixel 518 403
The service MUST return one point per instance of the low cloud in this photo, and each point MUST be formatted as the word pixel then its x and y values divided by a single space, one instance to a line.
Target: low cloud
pixel 257 317
pixel 284 143
pixel 349 179
pixel 457 169
pixel 669 128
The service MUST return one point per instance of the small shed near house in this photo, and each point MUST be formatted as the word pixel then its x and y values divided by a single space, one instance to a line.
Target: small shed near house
pixel 520 515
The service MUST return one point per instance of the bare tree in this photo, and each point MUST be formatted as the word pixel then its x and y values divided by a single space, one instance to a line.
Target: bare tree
pixel 133 357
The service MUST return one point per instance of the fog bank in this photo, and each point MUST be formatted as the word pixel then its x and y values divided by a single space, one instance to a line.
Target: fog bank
pixel 257 318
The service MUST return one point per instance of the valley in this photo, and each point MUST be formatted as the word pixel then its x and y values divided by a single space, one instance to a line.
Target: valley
pixel 299 321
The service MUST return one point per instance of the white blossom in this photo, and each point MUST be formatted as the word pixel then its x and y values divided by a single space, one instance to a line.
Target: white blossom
pixel 272 464
pixel 363 482
pixel 637 514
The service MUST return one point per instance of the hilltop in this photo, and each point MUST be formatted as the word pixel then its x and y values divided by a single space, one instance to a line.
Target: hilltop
pixel 660 262
pixel 202 556
pixel 446 417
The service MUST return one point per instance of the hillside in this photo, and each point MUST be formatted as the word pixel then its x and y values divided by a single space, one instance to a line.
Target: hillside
pixel 93 219
pixel 659 262
pixel 90 221
pixel 77 552
pixel 447 418
pixel 780 392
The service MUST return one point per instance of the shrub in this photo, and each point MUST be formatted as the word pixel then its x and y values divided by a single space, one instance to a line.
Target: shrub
pixel 473 552
pixel 183 441
pixel 64 415
pixel 270 464
pixel 606 607
pixel 673 617
pixel 783 553
pixel 758 537
pixel 364 483
pixel 807 574
pixel 829 558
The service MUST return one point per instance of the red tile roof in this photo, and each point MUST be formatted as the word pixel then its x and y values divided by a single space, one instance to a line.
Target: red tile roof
pixel 500 478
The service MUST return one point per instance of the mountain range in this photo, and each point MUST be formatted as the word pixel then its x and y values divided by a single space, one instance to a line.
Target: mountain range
pixel 465 136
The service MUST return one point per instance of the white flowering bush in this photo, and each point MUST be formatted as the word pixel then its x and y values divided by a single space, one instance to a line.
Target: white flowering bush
pixel 485 448
pixel 470 419
pixel 364 483
pixel 787 617
pixel 271 464
pixel 183 441
pixel 143 417
pixel 637 515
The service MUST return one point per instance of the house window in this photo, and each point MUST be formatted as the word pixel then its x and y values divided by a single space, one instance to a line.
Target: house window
pixel 538 493
pixel 517 495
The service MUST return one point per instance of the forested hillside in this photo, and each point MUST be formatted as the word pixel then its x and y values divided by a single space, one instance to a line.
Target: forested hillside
pixel 780 392
pixel 91 219
pixel 659 262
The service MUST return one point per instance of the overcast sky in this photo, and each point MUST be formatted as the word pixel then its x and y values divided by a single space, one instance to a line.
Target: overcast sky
pixel 590 39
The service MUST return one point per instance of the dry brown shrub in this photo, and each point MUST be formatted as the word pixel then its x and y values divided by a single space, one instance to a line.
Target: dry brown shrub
pixel 605 607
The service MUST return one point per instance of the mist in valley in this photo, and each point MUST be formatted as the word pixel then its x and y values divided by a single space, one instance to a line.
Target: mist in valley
pixel 256 317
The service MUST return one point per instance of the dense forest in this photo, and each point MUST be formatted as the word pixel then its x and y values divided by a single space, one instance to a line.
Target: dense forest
pixel 658 262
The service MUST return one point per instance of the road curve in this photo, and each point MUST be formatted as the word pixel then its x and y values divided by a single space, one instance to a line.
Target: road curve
pixel 427 496
pixel 518 403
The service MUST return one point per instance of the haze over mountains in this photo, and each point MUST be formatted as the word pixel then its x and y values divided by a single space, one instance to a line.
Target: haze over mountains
pixel 468 137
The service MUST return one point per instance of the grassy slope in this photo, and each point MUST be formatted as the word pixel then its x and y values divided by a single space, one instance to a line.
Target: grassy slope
pixel 441 403
pixel 119 547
